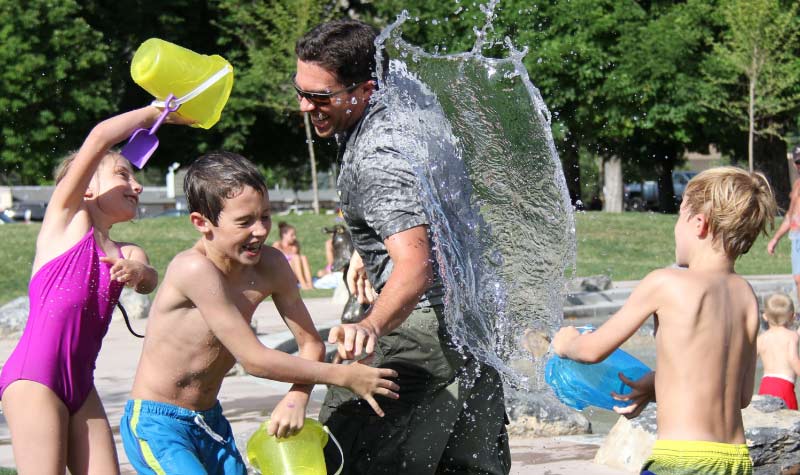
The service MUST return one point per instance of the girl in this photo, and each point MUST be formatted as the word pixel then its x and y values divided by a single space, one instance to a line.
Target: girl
pixel 290 248
pixel 53 411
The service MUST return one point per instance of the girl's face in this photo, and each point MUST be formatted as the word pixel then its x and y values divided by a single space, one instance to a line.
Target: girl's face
pixel 289 236
pixel 115 189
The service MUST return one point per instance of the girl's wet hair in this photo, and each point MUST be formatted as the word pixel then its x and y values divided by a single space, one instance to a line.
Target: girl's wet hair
pixel 779 309
pixel 216 177
pixel 738 204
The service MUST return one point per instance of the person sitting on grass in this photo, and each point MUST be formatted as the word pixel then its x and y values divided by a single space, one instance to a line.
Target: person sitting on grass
pixel 199 326
pixel 290 248
pixel 777 348
pixel 706 320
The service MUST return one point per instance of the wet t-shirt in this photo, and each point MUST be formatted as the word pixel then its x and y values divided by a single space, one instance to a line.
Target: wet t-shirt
pixel 379 195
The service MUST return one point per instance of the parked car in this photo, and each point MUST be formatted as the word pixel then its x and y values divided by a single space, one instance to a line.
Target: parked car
pixel 643 196
pixel 26 211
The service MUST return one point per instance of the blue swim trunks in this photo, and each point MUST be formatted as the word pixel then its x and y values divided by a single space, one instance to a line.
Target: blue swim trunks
pixel 163 439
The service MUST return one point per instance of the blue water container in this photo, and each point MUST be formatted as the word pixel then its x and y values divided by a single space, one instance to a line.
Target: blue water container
pixel 579 385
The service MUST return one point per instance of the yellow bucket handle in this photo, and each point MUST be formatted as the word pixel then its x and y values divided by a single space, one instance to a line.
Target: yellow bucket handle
pixel 227 69
pixel 341 453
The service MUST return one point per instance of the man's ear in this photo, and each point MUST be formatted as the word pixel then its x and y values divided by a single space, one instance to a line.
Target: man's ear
pixel 367 89
pixel 200 222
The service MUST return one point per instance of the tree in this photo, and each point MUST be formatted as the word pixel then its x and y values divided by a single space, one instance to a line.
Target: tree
pixel 754 70
pixel 53 82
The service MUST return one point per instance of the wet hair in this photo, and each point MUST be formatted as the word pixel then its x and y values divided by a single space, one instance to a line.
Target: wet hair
pixel 63 167
pixel 779 309
pixel 284 227
pixel 738 205
pixel 344 47
pixel 216 177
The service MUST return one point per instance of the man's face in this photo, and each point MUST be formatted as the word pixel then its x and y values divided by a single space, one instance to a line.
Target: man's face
pixel 334 114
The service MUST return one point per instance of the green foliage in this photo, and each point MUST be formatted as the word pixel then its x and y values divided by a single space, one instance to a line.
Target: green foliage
pixel 758 50
pixel 54 82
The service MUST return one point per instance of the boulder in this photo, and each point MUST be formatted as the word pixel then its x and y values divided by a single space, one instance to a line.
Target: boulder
pixel 772 433
pixel 136 305
pixel 13 317
pixel 540 414
pixel 593 283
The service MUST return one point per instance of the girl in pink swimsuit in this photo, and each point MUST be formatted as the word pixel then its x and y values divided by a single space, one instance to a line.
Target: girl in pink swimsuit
pixel 53 412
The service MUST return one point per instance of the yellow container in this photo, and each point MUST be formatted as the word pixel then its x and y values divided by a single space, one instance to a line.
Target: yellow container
pixel 164 68
pixel 300 454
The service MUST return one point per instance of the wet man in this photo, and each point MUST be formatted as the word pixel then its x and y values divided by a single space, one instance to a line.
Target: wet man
pixel 791 225
pixel 450 417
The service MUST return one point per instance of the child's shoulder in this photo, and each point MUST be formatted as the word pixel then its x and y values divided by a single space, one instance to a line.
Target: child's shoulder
pixel 190 262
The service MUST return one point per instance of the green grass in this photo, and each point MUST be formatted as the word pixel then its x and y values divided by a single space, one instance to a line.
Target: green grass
pixel 624 246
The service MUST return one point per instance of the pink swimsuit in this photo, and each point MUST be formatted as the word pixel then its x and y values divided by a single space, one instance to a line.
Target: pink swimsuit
pixel 71 299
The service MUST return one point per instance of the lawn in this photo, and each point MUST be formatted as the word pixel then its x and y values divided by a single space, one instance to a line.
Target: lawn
pixel 624 246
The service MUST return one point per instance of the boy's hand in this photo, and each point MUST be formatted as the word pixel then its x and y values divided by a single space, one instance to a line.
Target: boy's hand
pixel 127 271
pixel 289 415
pixel 367 381
pixel 643 392
pixel 563 339
pixel 353 339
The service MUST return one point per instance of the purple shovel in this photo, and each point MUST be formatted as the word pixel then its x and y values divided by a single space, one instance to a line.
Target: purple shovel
pixel 144 142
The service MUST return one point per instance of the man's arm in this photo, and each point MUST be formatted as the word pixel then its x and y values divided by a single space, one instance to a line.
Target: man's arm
pixel 411 276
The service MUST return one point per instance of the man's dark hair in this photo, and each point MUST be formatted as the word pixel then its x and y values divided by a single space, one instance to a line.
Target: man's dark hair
pixel 216 177
pixel 343 47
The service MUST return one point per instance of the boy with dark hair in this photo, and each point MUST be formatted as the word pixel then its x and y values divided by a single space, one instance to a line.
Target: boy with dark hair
pixel 199 326
pixel 706 326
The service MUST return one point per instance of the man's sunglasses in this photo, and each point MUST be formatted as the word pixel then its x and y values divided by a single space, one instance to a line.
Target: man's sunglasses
pixel 321 98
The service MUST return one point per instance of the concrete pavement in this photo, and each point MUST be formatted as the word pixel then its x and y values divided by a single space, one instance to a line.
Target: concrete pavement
pixel 248 400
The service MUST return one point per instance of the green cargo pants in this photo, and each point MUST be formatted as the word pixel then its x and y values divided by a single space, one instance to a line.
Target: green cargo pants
pixel 450 417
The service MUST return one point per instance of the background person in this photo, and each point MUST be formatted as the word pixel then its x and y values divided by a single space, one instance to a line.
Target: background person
pixel 290 247
pixel 791 225
pixel 777 348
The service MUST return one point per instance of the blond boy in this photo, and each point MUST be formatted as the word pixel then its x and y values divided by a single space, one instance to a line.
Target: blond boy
pixel 199 326
pixel 706 320
pixel 777 348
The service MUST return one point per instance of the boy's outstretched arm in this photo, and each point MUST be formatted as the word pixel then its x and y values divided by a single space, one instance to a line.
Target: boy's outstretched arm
pixel 289 414
pixel 209 292
pixel 597 345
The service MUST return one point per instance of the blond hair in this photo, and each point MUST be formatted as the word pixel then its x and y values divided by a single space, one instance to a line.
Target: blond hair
pixel 779 309
pixel 738 205
pixel 63 167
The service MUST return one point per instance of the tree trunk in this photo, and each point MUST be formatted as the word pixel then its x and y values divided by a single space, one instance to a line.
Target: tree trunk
pixel 770 153
pixel 666 191
pixel 314 185
pixel 751 111
pixel 572 172
pixel 612 185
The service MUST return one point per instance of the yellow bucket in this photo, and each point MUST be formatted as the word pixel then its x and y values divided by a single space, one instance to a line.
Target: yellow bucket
pixel 300 454
pixel 201 83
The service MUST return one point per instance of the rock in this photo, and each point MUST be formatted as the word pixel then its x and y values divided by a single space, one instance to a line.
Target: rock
pixel 14 316
pixel 594 283
pixel 341 295
pixel 136 305
pixel 773 437
pixel 540 414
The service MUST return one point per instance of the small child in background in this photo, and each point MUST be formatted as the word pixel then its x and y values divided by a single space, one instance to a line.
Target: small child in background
pixel 777 348
pixel 55 416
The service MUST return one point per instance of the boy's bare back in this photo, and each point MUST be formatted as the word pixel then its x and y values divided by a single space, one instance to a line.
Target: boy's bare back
pixel 183 362
pixel 707 324
pixel 777 348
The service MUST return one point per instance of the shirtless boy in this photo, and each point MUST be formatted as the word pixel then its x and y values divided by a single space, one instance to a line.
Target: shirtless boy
pixel 199 326
pixel 777 348
pixel 706 326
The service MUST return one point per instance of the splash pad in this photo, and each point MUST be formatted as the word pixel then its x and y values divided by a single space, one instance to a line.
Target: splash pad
pixel 493 188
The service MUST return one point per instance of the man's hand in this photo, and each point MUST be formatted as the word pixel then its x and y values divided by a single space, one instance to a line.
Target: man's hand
pixel 289 415
pixel 354 339
pixel 127 271
pixel 643 392
pixel 357 281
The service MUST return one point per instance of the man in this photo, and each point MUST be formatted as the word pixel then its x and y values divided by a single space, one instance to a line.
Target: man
pixel 791 224
pixel 450 415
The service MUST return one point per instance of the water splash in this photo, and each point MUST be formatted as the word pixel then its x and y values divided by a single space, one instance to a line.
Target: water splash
pixel 493 187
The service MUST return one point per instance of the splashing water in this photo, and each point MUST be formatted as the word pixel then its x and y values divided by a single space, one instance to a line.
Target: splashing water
pixel 493 189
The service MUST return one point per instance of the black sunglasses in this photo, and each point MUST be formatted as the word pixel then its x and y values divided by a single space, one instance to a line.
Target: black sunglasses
pixel 321 98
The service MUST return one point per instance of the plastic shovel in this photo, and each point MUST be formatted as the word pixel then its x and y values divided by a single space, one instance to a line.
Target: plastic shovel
pixel 144 142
